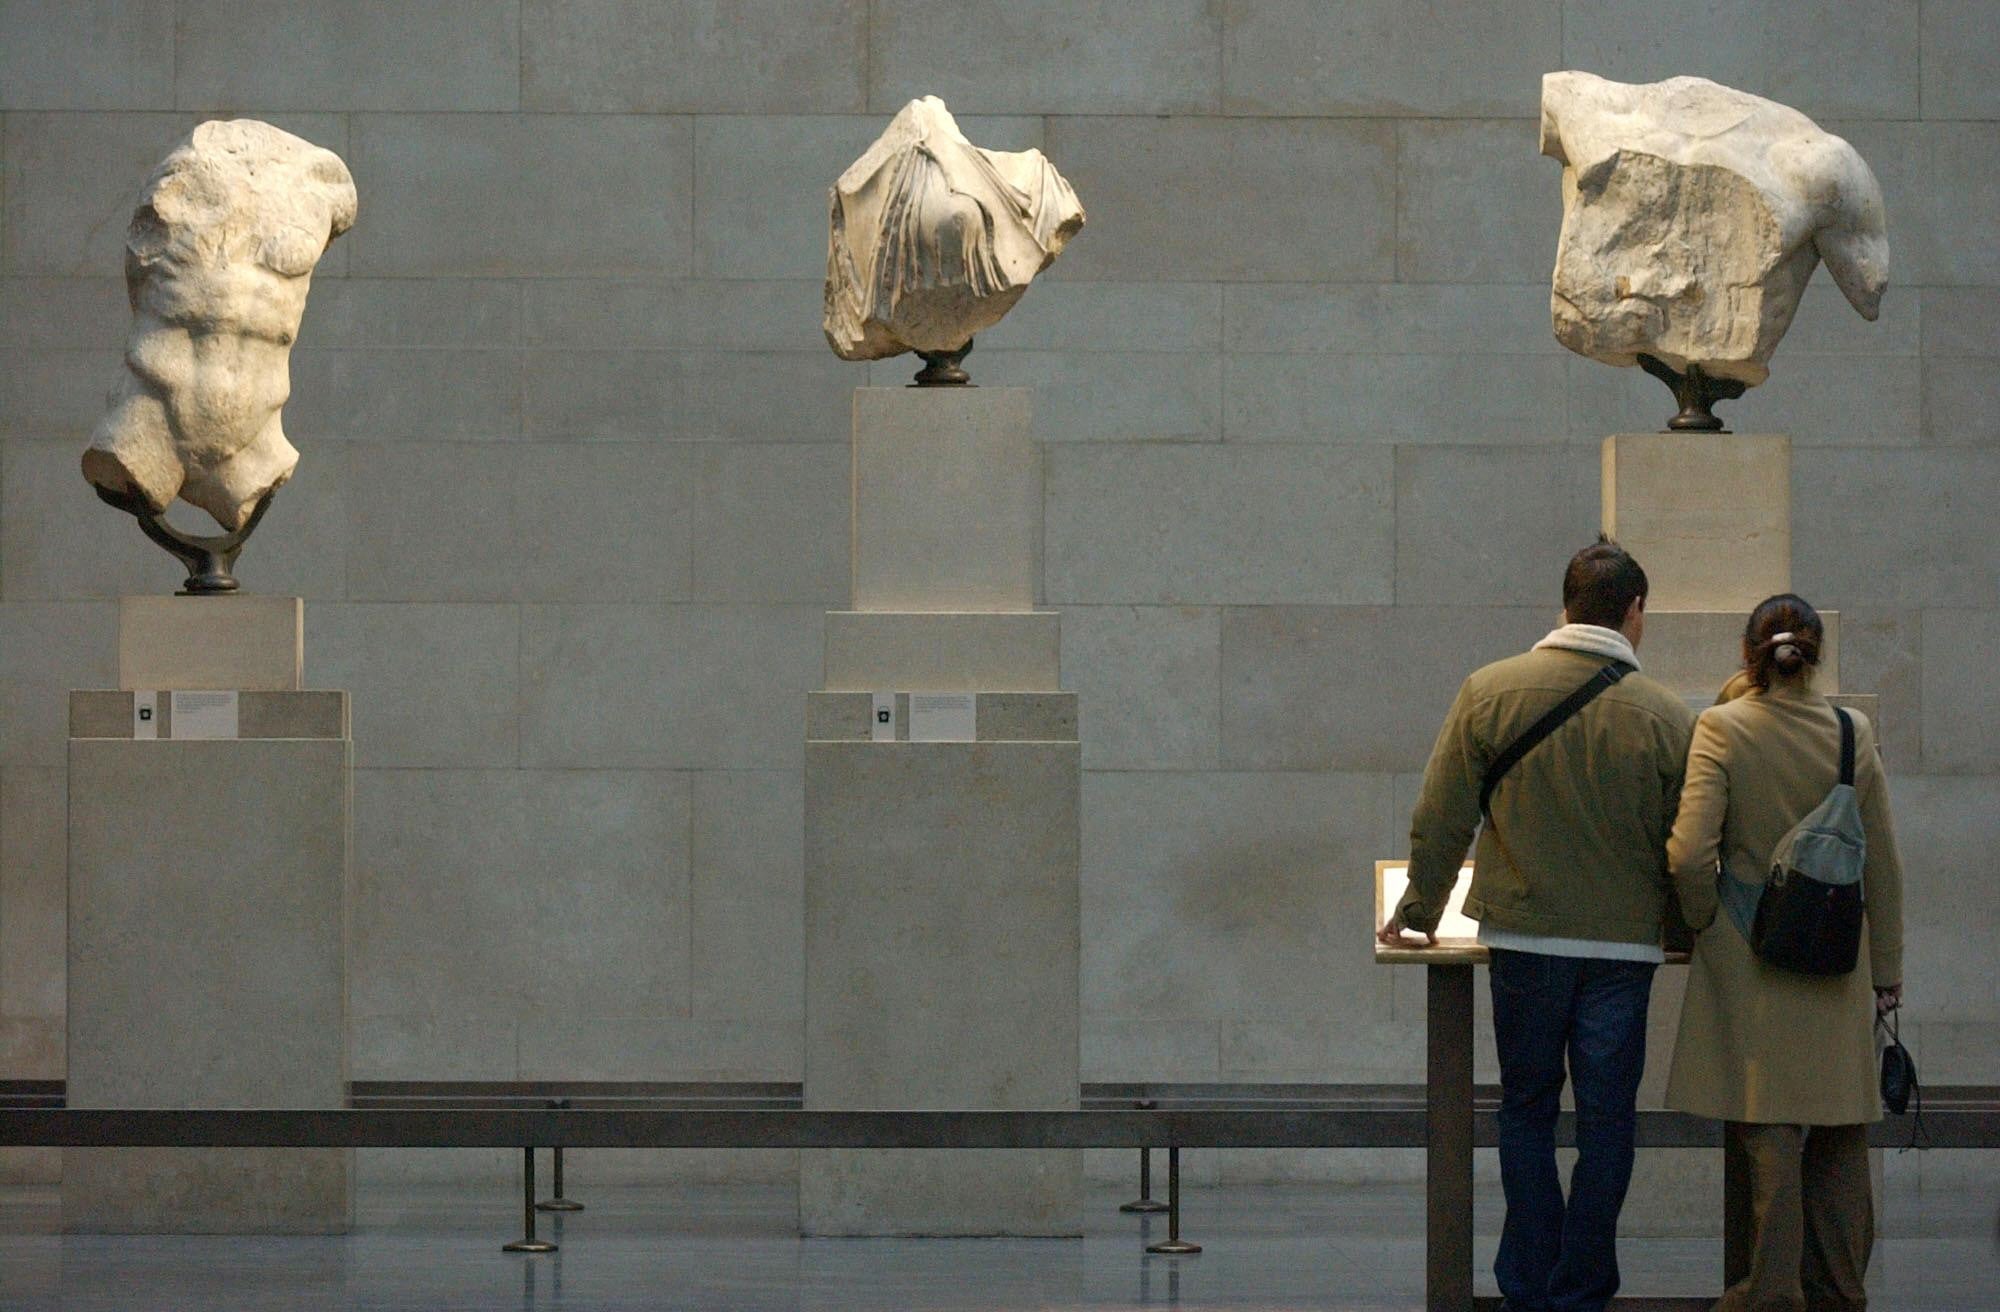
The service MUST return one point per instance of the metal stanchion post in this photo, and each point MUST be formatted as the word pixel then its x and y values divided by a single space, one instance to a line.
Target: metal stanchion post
pixel 527 1243
pixel 1173 1245
pixel 559 1203
pixel 1145 1202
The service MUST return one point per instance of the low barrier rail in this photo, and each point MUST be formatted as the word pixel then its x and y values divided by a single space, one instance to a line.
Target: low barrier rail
pixel 597 1114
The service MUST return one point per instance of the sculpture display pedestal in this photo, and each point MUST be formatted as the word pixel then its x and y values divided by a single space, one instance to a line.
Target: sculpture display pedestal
pixel 229 642
pixel 208 861
pixel 942 798
pixel 1709 517
pixel 947 499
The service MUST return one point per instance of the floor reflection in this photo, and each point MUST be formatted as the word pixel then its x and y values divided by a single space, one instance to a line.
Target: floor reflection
pixel 1275 1248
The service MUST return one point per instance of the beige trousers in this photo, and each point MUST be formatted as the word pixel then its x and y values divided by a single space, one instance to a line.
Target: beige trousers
pixel 1812 1213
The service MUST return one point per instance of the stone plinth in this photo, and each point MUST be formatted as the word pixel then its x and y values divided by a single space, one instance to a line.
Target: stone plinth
pixel 997 651
pixel 941 906
pixel 942 941
pixel 947 499
pixel 207 969
pixel 232 641
pixel 207 945
pixel 1709 515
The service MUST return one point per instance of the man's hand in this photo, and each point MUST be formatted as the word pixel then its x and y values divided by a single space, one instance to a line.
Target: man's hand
pixel 1391 934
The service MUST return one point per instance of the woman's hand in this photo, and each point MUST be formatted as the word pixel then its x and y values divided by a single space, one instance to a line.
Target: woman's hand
pixel 1888 999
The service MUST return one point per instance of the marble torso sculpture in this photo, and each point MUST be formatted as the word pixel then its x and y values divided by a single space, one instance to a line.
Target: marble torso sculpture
pixel 933 240
pixel 218 260
pixel 1693 215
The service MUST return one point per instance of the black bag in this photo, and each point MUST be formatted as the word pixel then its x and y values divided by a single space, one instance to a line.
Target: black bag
pixel 1899 1071
pixel 1809 911
pixel 1807 915
pixel 1899 1082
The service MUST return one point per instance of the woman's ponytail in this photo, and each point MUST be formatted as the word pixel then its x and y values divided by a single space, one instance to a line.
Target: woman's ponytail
pixel 1782 639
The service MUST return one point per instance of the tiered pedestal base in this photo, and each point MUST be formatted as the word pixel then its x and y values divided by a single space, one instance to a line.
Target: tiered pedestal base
pixel 942 952
pixel 993 651
pixel 1709 517
pixel 1695 652
pixel 942 925
pixel 207 922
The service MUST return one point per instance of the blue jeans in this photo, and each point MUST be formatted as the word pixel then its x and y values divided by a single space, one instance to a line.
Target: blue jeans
pixel 1557 1257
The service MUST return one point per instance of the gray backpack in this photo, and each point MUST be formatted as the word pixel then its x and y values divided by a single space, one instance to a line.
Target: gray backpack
pixel 1806 915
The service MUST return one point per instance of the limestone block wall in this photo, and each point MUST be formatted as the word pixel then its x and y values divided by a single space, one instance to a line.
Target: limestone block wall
pixel 573 499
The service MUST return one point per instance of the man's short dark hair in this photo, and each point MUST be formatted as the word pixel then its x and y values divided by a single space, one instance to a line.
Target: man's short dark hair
pixel 1600 584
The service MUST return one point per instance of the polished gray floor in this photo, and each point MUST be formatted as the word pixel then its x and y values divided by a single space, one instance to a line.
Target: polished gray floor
pixel 1294 1247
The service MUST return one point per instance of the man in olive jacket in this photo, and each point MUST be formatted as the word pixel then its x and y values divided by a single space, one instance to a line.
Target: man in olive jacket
pixel 1570 888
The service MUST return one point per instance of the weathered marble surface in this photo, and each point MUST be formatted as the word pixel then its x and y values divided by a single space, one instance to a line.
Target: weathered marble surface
pixel 218 260
pixel 1693 215
pixel 933 239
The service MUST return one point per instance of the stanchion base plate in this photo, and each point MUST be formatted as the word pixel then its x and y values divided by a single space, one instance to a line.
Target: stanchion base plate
pixel 1173 1248
pixel 528 1246
pixel 559 1205
pixel 1145 1205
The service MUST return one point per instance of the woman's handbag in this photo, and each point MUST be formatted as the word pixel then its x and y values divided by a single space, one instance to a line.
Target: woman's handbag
pixel 1806 916
pixel 1899 1069
pixel 1899 1080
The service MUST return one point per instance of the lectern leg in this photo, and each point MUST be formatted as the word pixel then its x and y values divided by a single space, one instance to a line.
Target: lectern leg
pixel 1448 1139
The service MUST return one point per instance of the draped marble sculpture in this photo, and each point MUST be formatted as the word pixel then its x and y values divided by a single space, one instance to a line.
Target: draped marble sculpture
pixel 1693 216
pixel 218 259
pixel 933 239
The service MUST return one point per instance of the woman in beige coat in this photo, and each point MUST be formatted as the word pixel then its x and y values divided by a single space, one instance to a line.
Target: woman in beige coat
pixel 1787 1060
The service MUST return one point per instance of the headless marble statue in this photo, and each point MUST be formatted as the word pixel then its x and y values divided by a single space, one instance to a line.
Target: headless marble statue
pixel 933 239
pixel 218 260
pixel 1693 216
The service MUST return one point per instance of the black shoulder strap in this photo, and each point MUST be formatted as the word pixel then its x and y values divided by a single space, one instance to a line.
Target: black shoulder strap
pixel 1557 716
pixel 1846 747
